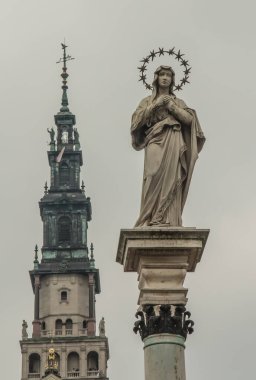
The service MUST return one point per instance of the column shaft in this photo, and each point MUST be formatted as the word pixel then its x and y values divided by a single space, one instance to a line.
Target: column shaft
pixel 36 311
pixel 36 323
pixel 164 357
pixel 63 363
pixel 91 296
pixel 83 367
pixel 91 323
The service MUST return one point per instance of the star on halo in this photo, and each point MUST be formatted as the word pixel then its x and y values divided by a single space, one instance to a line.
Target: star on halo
pixel 171 51
pixel 158 53
pixel 152 54
pixel 161 51
pixel 187 71
pixel 184 63
pixel 179 55
pixel 145 60
pixel 142 68
pixel 178 87
pixel 142 77
pixel 184 80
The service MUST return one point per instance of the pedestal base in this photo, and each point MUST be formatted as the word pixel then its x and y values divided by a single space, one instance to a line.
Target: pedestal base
pixel 36 329
pixel 161 257
pixel 91 327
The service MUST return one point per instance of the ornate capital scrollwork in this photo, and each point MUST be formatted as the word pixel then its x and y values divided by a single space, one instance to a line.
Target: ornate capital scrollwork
pixel 166 321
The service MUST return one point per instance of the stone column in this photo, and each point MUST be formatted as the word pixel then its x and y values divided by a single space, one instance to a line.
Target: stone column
pixel 63 362
pixel 36 323
pixel 162 257
pixel 43 360
pixel 102 361
pixel 24 366
pixel 83 360
pixel 164 357
pixel 91 323
pixel 36 304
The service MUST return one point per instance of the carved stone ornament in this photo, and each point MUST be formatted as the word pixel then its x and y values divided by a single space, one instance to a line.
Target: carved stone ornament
pixel 165 321
pixel 63 267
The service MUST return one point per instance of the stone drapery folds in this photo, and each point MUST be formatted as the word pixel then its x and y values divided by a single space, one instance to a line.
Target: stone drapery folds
pixel 172 138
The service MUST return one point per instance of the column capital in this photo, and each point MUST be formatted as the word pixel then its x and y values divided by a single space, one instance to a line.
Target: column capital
pixel 163 319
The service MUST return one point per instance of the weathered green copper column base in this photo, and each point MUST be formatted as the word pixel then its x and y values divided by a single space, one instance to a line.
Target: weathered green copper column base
pixel 164 357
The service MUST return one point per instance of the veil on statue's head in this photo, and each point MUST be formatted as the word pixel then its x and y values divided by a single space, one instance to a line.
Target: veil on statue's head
pixel 155 84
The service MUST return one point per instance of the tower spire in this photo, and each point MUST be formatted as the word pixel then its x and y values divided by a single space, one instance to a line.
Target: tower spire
pixel 64 75
pixel 66 311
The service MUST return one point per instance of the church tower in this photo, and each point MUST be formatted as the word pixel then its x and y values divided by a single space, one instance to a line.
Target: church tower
pixel 64 342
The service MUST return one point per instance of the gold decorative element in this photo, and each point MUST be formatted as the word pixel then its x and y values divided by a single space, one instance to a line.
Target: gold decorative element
pixel 52 363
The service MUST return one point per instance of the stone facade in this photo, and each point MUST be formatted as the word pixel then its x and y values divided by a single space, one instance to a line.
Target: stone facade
pixel 62 296
pixel 79 357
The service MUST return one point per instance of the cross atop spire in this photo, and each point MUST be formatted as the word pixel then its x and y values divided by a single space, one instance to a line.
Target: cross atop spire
pixel 64 75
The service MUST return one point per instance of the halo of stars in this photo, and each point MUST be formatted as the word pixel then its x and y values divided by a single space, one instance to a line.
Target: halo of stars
pixel 171 52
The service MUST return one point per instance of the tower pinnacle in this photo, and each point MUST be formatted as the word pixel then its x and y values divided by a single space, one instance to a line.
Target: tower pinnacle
pixel 64 75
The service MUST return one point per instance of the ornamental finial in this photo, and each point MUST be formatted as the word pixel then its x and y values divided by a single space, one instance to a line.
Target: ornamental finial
pixel 36 262
pixel 64 75
pixel 82 186
pixel 92 261
pixel 92 249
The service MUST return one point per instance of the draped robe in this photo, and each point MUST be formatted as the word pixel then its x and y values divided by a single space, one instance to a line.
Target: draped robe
pixel 171 150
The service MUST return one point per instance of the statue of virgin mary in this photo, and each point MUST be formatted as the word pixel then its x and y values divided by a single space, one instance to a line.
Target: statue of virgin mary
pixel 171 136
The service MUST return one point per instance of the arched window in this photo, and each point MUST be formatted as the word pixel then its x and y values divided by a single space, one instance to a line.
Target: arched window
pixel 43 326
pixel 93 364
pixel 64 295
pixel 69 327
pixel 64 229
pixel 34 363
pixel 58 327
pixel 64 174
pixel 73 364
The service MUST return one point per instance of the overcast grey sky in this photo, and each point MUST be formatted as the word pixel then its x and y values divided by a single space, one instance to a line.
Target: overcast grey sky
pixel 108 38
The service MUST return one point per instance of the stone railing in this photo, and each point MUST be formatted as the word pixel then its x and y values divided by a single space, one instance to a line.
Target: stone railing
pixel 34 376
pixel 59 332
pixel 82 331
pixel 73 374
pixel 93 373
pixel 52 332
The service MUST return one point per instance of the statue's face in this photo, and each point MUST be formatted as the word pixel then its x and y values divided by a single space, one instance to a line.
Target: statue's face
pixel 164 78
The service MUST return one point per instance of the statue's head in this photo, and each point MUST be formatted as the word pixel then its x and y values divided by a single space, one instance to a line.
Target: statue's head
pixel 155 83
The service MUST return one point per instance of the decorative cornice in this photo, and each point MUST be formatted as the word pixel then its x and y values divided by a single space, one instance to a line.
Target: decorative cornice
pixel 166 321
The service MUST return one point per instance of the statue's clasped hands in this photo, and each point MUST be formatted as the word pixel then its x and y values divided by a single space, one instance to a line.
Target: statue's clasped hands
pixel 165 100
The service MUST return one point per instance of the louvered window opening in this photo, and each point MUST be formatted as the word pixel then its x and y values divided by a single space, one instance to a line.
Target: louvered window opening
pixel 64 230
